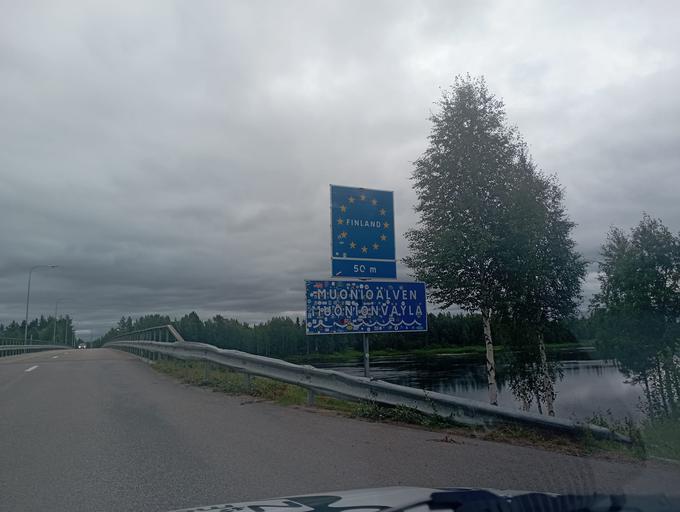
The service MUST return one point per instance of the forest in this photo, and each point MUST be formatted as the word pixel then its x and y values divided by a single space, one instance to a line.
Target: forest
pixel 284 336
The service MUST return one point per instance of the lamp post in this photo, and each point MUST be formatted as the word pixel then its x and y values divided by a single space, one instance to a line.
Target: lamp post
pixel 28 297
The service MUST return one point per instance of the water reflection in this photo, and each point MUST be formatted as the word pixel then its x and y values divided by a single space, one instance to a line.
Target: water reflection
pixel 587 385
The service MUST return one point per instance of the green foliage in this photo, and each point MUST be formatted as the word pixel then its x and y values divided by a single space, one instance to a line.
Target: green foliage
pixel 464 182
pixel 653 436
pixel 661 437
pixel 544 270
pixel 228 381
pixel 625 426
pixel 284 337
pixel 637 312
pixel 493 233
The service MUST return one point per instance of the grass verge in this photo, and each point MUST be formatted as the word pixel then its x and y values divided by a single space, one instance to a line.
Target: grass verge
pixel 662 438
pixel 653 437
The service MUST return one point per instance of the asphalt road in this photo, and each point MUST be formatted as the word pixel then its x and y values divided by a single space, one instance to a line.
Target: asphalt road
pixel 100 430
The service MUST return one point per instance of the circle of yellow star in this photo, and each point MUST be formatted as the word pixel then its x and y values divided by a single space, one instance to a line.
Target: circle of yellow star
pixel 351 199
pixel 386 225
pixel 383 211
pixel 363 197
pixel 364 249
pixel 374 201
pixel 343 208
pixel 352 245
pixel 376 247
pixel 383 237
pixel 340 221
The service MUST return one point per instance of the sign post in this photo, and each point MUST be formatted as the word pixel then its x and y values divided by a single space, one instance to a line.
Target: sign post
pixel 367 371
pixel 355 300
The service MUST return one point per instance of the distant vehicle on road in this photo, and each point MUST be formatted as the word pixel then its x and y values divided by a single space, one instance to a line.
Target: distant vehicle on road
pixel 82 345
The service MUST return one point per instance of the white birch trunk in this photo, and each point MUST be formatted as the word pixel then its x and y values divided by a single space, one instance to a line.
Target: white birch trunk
pixel 548 387
pixel 490 364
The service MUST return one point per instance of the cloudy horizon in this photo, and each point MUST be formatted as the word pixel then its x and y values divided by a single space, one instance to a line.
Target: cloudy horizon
pixel 176 156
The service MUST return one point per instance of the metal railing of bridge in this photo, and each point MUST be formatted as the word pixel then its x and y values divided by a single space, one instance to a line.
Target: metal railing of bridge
pixel 334 383
pixel 165 333
pixel 16 346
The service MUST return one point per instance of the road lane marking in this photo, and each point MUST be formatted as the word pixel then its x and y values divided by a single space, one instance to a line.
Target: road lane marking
pixel 54 357
pixel 31 368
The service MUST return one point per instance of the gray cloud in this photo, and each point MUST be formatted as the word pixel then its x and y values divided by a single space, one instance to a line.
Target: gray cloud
pixel 175 156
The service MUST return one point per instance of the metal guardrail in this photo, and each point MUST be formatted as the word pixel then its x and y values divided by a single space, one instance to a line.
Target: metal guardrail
pixel 335 383
pixel 13 350
pixel 166 333
pixel 21 341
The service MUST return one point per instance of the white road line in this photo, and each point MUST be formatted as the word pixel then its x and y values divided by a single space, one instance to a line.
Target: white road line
pixel 31 368
pixel 54 357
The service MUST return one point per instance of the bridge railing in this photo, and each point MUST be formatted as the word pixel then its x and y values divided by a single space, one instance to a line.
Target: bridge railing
pixel 333 383
pixel 16 346
pixel 165 333
pixel 20 341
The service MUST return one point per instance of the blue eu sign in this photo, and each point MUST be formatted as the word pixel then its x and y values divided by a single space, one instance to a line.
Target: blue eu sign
pixel 342 307
pixel 362 223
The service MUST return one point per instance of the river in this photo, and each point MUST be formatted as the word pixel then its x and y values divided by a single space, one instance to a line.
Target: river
pixel 589 385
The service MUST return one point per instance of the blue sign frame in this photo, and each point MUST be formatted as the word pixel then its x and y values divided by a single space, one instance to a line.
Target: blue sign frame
pixel 362 233
pixel 351 306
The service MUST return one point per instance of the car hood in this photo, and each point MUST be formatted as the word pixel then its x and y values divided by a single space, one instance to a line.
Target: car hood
pixel 360 500
pixel 423 499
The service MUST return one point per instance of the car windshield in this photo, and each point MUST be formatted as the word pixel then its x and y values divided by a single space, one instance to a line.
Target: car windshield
pixel 363 251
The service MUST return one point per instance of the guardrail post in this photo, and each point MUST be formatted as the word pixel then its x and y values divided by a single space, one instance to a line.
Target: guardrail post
pixel 367 366
pixel 248 382
pixel 206 370
pixel 311 397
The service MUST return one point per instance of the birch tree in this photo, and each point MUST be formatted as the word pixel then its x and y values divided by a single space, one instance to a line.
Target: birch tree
pixel 464 187
pixel 493 234
pixel 545 272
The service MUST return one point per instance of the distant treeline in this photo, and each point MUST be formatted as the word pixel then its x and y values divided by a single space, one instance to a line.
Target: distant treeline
pixel 284 336
pixel 40 329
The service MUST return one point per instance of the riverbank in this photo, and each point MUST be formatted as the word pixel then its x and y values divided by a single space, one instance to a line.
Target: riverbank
pixel 349 356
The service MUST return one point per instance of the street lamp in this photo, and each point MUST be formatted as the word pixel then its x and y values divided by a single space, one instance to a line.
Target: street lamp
pixel 28 297
pixel 54 331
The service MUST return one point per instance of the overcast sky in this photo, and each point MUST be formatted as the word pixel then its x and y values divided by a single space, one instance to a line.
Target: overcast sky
pixel 176 156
